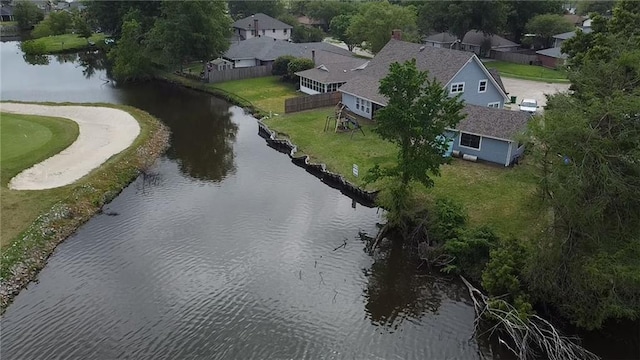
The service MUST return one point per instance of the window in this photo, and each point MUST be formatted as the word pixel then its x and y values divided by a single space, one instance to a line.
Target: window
pixel 470 141
pixel 494 105
pixel 284 31
pixel 263 32
pixel 367 106
pixel 457 88
pixel 274 31
pixel 357 103
pixel 482 86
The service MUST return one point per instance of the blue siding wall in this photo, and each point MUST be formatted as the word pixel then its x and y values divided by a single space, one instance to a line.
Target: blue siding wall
pixel 350 101
pixel 492 150
pixel 471 75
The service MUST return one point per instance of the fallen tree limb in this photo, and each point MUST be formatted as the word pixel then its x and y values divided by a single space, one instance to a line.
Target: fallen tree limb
pixel 527 336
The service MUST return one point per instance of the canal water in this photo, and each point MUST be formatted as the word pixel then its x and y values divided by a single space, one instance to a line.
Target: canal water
pixel 225 250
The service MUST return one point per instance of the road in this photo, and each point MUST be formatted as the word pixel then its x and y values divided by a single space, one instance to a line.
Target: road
pixel 527 89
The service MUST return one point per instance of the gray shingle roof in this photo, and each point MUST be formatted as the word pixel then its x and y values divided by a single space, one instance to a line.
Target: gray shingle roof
pixel 495 74
pixel 442 65
pixel 268 49
pixel 555 52
pixel 475 37
pixel 498 123
pixel 442 38
pixel 333 72
pixel 264 22
pixel 570 34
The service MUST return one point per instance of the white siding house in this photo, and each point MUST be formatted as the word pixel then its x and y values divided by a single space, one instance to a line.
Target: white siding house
pixel 261 25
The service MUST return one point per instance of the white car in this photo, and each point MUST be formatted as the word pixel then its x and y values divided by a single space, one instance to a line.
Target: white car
pixel 529 105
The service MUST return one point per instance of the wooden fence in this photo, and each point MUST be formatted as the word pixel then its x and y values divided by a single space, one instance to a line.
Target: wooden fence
pixel 515 57
pixel 308 102
pixel 217 76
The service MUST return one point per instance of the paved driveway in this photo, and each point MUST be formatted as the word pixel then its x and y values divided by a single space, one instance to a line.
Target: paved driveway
pixel 527 89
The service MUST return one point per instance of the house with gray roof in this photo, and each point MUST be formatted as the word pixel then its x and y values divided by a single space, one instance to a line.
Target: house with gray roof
pixel 488 132
pixel 261 25
pixel 261 50
pixel 554 57
pixel 331 71
pixel 475 41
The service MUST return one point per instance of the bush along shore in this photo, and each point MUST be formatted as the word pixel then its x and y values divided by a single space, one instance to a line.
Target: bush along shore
pixel 21 262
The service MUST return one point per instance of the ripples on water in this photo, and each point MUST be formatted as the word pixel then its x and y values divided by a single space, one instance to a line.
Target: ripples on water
pixel 226 250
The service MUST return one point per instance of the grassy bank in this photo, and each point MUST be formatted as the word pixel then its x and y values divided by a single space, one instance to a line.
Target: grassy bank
pixel 64 209
pixel 492 195
pixel 61 43
pixel 26 140
pixel 264 94
pixel 528 72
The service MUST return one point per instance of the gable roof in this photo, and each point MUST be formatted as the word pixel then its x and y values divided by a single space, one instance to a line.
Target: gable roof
pixel 442 64
pixel 570 34
pixel 475 37
pixel 6 10
pixel 268 49
pixel 264 22
pixel 334 70
pixel 501 124
pixel 555 52
pixel 441 38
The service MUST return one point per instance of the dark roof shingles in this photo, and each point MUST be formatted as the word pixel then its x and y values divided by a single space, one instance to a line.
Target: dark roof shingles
pixel 264 22
pixel 497 123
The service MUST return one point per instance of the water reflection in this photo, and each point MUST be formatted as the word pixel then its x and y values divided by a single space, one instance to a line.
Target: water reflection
pixel 202 133
pixel 36 59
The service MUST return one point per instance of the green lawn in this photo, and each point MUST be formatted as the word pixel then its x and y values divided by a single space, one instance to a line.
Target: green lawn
pixel 61 43
pixel 266 93
pixel 492 195
pixel 8 23
pixel 527 72
pixel 24 141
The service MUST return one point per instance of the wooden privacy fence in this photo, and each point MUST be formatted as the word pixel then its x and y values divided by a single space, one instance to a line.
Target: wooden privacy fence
pixel 515 57
pixel 217 76
pixel 308 102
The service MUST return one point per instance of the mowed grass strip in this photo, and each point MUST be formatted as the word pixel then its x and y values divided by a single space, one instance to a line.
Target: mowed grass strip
pixel 25 141
pixel 65 42
pixel 267 93
pixel 528 72
pixel 492 195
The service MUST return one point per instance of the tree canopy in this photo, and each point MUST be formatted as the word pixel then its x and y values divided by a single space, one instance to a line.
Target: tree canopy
pixel 339 28
pixel 242 9
pixel 588 156
pixel 375 34
pixel 545 26
pixel 27 14
pixel 520 12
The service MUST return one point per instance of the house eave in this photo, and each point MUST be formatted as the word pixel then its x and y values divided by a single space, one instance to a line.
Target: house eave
pixel 361 97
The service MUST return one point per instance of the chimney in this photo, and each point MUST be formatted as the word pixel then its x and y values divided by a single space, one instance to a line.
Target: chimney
pixel 313 57
pixel 255 25
pixel 396 34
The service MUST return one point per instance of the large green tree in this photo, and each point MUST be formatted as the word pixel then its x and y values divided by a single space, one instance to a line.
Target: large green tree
pixel 27 14
pixel 586 7
pixel 327 10
pixel 190 30
pixel 339 28
pixel 585 262
pixel 520 12
pixel 109 15
pixel 376 33
pixel 546 26
pixel 130 59
pixel 242 9
pixel 418 111
pixel 458 16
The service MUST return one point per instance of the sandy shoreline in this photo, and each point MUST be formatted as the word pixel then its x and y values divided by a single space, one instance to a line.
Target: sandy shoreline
pixel 103 132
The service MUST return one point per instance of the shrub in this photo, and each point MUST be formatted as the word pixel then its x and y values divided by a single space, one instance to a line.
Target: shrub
pixel 298 64
pixel 502 273
pixel 471 250
pixel 281 65
pixel 448 218
pixel 31 47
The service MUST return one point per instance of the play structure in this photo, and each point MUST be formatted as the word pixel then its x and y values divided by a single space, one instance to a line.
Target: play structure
pixel 342 121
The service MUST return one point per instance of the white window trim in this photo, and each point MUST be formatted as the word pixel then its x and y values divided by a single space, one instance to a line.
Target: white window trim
pixel 494 103
pixel 456 84
pixel 486 85
pixel 468 147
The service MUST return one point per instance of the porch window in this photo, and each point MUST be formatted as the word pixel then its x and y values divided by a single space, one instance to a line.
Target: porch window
pixel 482 86
pixel 457 88
pixel 470 141
pixel 284 31
pixel 357 103
pixel 494 105
pixel 273 30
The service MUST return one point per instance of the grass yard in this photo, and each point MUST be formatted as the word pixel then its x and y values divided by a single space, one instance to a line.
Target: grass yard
pixel 492 195
pixel 527 72
pixel 266 93
pixel 8 23
pixel 61 43
pixel 26 140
